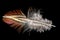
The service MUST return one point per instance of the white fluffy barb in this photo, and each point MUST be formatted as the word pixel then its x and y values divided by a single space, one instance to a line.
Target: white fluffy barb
pixel 37 22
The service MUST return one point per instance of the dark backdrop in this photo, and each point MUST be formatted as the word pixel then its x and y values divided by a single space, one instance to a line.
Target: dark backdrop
pixel 49 9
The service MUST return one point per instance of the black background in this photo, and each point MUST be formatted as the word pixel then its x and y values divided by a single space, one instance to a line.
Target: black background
pixel 49 9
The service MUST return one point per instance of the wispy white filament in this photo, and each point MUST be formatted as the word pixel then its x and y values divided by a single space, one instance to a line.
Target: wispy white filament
pixel 37 22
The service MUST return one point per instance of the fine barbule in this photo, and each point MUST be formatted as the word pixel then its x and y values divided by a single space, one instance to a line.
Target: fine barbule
pixel 37 22
pixel 33 21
